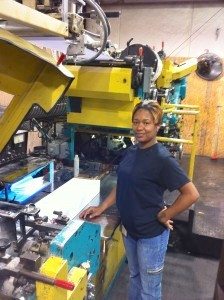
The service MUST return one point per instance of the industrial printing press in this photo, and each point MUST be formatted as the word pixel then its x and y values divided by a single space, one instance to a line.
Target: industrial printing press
pixel 80 105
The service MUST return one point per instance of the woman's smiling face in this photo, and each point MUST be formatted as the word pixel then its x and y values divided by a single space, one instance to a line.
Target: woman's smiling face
pixel 144 128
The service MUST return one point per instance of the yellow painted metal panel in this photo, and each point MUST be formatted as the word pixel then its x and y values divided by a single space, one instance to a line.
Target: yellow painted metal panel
pixel 79 278
pixel 184 68
pixel 115 255
pixel 12 10
pixel 101 83
pixel 30 74
pixel 165 78
pixel 104 113
pixel 20 63
pixel 172 72
pixel 37 92
pixel 12 79
pixel 54 267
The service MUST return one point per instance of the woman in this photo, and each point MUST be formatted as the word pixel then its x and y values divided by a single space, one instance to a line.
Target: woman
pixel 143 175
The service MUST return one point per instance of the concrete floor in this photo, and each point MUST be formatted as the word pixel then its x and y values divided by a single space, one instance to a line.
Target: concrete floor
pixel 185 277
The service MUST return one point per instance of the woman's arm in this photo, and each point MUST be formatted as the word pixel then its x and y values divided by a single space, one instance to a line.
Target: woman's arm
pixel 94 211
pixel 188 195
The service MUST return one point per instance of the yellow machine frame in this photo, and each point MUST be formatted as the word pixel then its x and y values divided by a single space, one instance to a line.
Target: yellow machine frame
pixel 56 267
pixel 171 71
pixel 106 95
pixel 32 76
pixel 108 101
pixel 12 10
pixel 181 109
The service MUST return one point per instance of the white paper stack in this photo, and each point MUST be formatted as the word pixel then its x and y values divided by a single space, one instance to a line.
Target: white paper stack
pixel 70 198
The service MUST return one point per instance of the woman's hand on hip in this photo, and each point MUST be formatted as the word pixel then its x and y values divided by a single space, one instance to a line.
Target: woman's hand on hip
pixel 162 218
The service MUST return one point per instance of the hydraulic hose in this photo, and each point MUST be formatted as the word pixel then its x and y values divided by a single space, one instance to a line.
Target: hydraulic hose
pixel 106 27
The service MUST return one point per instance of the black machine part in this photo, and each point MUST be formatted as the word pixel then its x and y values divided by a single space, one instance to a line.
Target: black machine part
pixel 150 58
pixel 209 66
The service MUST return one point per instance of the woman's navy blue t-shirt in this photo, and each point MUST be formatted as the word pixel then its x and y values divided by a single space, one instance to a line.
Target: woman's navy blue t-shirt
pixel 142 177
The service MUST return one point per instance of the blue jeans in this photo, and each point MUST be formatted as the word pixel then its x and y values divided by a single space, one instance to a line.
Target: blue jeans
pixel 145 261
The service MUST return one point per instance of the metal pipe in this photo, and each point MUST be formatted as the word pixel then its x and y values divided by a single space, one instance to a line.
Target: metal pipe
pixel 181 112
pixel 65 11
pixel 173 140
pixel 47 279
pixel 167 105
pixel 39 277
pixel 14 11
pixel 19 29
pixel 193 150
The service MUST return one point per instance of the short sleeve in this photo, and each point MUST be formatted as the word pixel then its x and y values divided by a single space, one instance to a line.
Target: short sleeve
pixel 173 176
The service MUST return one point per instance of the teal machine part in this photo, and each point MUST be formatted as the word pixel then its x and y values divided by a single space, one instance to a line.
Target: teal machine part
pixel 176 95
pixel 78 242
pixel 71 128
pixel 69 133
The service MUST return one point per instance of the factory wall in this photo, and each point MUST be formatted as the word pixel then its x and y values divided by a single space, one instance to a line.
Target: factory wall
pixel 208 95
pixel 187 30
